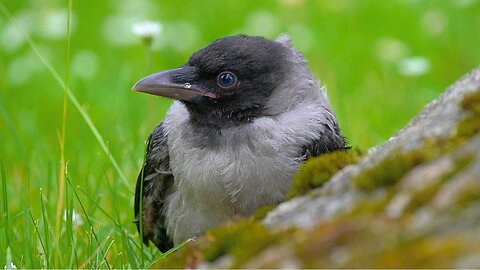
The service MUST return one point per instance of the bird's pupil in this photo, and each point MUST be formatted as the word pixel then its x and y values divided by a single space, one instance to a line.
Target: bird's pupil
pixel 226 79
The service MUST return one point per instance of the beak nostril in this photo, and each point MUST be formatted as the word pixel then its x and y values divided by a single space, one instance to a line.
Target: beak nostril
pixel 163 84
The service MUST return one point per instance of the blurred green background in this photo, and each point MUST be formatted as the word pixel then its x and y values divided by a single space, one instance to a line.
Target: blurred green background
pixel 381 61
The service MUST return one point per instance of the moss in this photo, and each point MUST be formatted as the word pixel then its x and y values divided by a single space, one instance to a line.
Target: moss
pixel 471 102
pixel 467 128
pixel 318 170
pixel 263 211
pixel 471 192
pixel 470 125
pixel 391 169
pixel 468 196
pixel 424 196
pixel 315 248
pixel 376 242
pixel 422 253
pixel 241 240
pixel 370 205
pixel 176 260
pixel 231 240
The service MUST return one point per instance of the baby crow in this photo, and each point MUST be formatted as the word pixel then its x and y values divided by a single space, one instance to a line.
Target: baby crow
pixel 247 112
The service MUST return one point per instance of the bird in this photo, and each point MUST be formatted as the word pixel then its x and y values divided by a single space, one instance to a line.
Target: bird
pixel 246 113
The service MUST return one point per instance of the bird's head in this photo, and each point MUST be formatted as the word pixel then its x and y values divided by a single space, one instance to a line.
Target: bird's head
pixel 229 81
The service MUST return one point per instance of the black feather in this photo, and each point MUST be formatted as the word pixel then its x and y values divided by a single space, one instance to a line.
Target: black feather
pixel 329 140
pixel 156 180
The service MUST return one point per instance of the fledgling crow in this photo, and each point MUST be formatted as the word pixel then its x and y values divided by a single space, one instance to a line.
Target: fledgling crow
pixel 247 113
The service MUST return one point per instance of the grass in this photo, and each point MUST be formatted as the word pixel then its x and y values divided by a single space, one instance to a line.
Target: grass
pixel 74 155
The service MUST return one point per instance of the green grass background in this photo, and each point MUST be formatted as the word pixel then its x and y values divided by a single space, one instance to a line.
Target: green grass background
pixel 358 49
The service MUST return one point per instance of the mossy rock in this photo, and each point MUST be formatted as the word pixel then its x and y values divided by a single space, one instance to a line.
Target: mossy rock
pixel 413 202
pixel 240 241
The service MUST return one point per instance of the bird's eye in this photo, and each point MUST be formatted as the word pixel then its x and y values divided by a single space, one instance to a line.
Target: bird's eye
pixel 227 80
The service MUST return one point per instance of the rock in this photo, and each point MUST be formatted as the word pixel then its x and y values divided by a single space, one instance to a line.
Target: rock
pixel 412 202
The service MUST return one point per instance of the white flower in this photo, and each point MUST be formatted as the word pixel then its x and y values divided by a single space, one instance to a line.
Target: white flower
pixel 11 266
pixel 76 218
pixel 9 260
pixel 435 22
pixel 53 24
pixel 390 49
pixel 464 3
pixel 147 29
pixel 85 64
pixel 414 66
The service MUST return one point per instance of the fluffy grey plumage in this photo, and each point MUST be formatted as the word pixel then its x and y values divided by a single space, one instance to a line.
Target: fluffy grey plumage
pixel 225 151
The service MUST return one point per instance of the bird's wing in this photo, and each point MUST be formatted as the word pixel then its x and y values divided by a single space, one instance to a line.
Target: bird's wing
pixel 153 185
pixel 329 138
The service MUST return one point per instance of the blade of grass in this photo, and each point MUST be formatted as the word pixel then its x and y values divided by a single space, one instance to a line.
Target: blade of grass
pixel 27 243
pixel 88 236
pixel 125 239
pixel 69 224
pixel 46 231
pixel 97 251
pixel 61 179
pixel 172 250
pixel 100 208
pixel 88 219
pixel 5 203
pixel 68 217
pixel 136 244
pixel 130 254
pixel 108 248
pixel 70 95
pixel 37 231
pixel 115 222
pixel 117 212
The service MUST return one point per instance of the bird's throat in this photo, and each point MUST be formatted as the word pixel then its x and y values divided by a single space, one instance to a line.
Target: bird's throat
pixel 218 116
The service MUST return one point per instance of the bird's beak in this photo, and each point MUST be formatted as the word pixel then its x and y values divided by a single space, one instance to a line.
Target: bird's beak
pixel 161 84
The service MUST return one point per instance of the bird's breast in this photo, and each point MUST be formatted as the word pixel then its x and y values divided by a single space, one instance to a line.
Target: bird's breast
pixel 242 171
pixel 243 167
